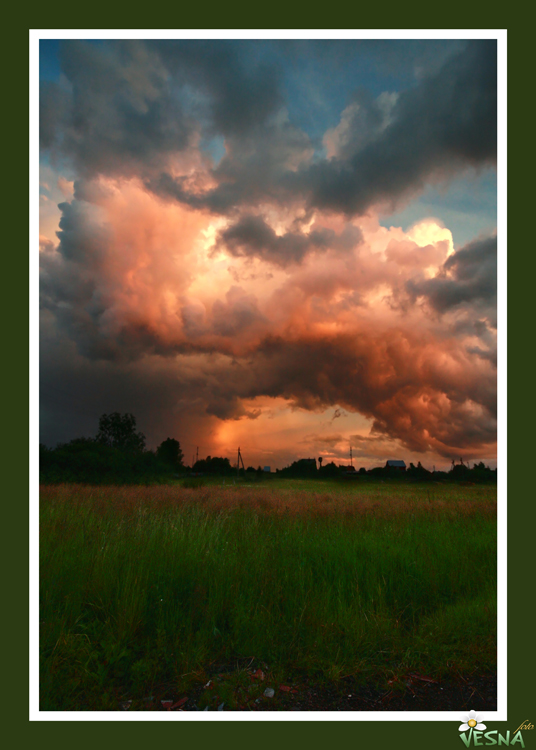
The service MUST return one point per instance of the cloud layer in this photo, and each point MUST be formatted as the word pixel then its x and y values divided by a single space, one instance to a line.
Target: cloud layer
pixel 219 285
pixel 131 107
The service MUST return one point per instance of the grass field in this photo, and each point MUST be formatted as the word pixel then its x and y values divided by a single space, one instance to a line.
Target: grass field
pixel 143 588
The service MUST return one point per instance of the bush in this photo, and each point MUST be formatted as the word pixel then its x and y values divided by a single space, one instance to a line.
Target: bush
pixel 88 461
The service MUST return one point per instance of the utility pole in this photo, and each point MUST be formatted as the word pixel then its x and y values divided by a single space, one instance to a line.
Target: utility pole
pixel 197 454
pixel 238 460
pixel 351 459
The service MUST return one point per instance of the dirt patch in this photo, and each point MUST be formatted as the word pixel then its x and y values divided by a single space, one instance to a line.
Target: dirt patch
pixel 409 693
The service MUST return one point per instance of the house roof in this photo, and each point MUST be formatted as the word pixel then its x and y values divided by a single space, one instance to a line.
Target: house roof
pixel 396 463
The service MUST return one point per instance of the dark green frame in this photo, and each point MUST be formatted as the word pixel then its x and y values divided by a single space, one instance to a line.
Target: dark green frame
pixel 377 734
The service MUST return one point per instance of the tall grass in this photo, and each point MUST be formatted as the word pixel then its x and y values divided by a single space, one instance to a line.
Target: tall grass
pixel 141 586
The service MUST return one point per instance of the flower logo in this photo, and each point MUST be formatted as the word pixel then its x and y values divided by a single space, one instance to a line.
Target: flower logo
pixel 472 721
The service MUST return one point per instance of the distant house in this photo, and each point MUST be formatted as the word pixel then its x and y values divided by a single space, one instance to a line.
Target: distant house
pixel 394 464
pixel 267 469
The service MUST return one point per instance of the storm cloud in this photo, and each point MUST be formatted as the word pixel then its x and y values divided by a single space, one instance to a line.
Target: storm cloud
pixel 133 108
pixel 450 119
pixel 468 277
pixel 217 263
pixel 316 335
pixel 253 236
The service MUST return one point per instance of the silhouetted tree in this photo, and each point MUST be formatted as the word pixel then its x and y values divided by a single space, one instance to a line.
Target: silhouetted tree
pixel 169 452
pixel 329 470
pixel 119 431
pixel 213 465
pixel 91 461
pixel 303 467
pixel 459 471
pixel 419 473
pixel 482 473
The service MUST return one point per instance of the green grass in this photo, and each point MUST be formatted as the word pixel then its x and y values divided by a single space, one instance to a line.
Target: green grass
pixel 141 587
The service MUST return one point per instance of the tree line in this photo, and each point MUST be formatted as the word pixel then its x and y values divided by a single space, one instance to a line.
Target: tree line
pixel 307 468
pixel 116 455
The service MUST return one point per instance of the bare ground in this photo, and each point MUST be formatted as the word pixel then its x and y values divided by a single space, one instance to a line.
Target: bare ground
pixel 412 692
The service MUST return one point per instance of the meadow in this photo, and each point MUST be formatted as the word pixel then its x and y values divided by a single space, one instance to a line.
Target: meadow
pixel 147 592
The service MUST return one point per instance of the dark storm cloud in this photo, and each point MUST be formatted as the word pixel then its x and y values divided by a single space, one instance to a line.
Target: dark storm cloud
pixel 419 403
pixel 125 106
pixel 76 390
pixel 252 236
pixel 424 404
pixel 54 112
pixel 448 121
pixel 115 112
pixel 391 148
pixel 227 405
pixel 251 172
pixel 430 396
pixel 404 59
pixel 128 107
pixel 79 286
pixel 469 276
pixel 71 285
pixel 238 313
pixel 242 93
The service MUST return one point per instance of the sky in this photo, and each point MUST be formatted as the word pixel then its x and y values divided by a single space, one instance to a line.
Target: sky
pixel 287 246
